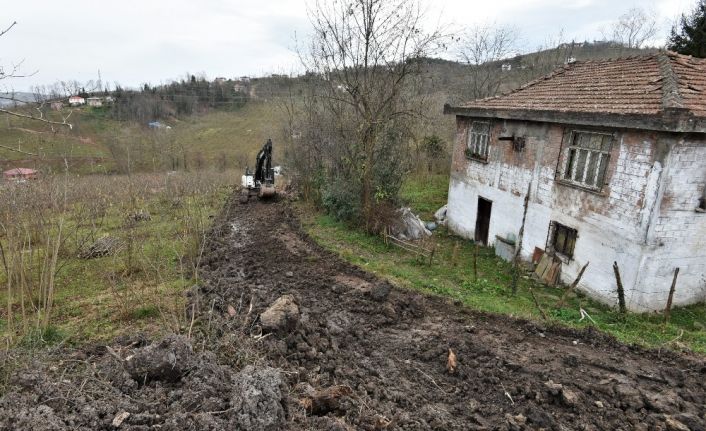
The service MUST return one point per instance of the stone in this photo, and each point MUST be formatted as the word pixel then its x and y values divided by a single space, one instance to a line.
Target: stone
pixel 379 291
pixel 120 418
pixel 674 424
pixel 568 397
pixel 281 316
pixel 166 361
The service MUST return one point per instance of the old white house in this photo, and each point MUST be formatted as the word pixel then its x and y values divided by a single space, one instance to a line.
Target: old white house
pixel 613 153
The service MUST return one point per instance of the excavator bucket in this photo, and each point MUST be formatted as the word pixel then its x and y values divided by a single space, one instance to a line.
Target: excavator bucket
pixel 266 191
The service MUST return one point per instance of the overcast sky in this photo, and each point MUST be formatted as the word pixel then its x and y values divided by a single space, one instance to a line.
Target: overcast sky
pixel 133 42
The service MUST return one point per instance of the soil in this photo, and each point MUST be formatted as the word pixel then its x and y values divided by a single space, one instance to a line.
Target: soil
pixel 360 354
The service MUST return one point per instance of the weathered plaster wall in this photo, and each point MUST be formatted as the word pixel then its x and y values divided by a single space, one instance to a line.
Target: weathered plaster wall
pixel 612 225
pixel 677 232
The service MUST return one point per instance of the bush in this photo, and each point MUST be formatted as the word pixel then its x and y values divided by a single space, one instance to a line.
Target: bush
pixel 341 200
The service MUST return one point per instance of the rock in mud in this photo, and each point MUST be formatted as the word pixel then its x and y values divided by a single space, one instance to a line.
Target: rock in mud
pixel 282 316
pixel 258 399
pixel 379 292
pixel 167 360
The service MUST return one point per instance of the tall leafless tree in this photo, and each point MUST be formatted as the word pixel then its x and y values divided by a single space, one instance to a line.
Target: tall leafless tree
pixel 362 58
pixel 482 48
pixel 634 28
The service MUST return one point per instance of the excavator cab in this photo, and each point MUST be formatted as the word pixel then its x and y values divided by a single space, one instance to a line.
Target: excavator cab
pixel 261 181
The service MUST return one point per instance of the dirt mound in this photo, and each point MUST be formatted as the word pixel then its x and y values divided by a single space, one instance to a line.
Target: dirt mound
pixel 360 354
pixel 158 386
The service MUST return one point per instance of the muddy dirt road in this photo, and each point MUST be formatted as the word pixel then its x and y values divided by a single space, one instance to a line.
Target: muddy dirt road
pixel 342 350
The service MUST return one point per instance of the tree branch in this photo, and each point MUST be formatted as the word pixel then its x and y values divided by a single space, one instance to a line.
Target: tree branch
pixel 8 29
pixel 32 117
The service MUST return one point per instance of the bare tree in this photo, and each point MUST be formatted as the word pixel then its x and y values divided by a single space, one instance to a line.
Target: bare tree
pixel 37 114
pixel 634 28
pixel 362 58
pixel 482 48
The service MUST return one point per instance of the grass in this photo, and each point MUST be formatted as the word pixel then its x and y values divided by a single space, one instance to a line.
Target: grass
pixel 227 139
pixel 451 275
pixel 140 288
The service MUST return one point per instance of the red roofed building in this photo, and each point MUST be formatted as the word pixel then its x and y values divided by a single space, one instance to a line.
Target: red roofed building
pixel 613 154
pixel 20 174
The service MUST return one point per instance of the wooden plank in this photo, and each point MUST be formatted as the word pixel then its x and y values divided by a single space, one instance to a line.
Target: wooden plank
pixel 544 263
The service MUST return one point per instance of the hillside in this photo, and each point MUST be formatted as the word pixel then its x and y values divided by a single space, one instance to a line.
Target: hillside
pixel 230 138
pixel 97 143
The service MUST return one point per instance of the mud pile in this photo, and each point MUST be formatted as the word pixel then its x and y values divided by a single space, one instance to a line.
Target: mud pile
pixel 164 385
pixel 288 336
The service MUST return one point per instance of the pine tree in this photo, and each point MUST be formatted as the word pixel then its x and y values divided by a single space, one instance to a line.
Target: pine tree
pixel 689 34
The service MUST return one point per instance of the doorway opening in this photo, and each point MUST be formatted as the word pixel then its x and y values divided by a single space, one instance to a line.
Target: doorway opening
pixel 483 220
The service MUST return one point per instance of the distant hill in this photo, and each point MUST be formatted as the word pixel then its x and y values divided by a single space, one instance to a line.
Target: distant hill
pixel 453 78
pixel 20 98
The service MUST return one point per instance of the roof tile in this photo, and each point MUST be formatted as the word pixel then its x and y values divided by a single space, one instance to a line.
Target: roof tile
pixel 642 85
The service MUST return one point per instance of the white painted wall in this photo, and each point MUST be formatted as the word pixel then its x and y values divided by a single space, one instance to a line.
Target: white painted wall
pixel 677 233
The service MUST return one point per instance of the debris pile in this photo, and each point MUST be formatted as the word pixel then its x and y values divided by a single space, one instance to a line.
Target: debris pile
pixel 409 226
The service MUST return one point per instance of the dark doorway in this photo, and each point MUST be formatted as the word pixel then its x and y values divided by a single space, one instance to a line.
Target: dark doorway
pixel 483 220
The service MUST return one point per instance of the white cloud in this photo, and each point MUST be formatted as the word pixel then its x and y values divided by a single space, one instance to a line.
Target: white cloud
pixel 153 41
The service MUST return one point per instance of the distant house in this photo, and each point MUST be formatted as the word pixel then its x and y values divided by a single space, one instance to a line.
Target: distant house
pixel 57 105
pixel 506 67
pixel 220 80
pixel 20 174
pixel 77 101
pixel 109 99
pixel 96 102
pixel 612 157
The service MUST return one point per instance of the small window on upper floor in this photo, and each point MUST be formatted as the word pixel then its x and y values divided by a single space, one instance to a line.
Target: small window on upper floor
pixel 478 139
pixel 587 159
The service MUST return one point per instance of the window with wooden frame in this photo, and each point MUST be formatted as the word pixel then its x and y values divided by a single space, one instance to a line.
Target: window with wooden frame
pixel 587 159
pixel 478 139
pixel 563 239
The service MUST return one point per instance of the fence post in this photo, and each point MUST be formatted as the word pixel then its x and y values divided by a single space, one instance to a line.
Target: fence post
pixel 668 308
pixel 515 260
pixel 475 262
pixel 621 292
pixel 454 254
pixel 572 287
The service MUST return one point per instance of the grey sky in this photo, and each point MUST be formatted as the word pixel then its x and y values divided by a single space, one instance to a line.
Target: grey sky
pixel 132 42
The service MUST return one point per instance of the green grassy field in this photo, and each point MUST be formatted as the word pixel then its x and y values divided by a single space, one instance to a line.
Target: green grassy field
pixel 224 139
pixel 451 275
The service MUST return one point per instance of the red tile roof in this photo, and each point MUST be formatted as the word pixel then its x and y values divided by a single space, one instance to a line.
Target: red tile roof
pixel 635 87
pixel 20 171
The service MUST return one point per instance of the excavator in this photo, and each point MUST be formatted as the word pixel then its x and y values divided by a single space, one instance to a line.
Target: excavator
pixel 260 182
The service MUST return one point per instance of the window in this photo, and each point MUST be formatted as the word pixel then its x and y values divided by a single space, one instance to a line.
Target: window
pixel 563 239
pixel 478 137
pixel 587 159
